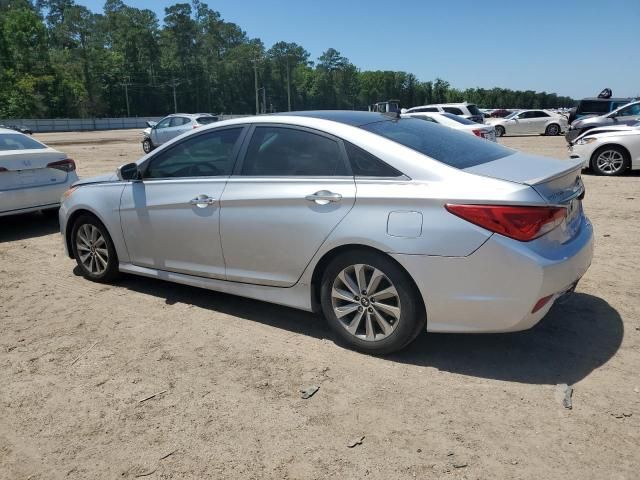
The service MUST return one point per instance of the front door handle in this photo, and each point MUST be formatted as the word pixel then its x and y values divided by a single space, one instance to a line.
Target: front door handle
pixel 202 201
pixel 323 197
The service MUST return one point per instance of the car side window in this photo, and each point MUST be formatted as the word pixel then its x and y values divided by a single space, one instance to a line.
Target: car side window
pixel 425 117
pixel 424 109
pixel 178 121
pixel 363 164
pixel 454 110
pixel 206 155
pixel 164 123
pixel 277 151
pixel 630 110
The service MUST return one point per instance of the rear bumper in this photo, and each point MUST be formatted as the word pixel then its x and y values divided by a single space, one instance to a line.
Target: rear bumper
pixel 28 199
pixel 496 288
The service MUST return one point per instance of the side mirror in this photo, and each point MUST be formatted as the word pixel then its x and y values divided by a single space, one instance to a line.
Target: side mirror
pixel 129 171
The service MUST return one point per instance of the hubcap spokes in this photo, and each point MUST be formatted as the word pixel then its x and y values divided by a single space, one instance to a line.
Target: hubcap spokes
pixel 92 249
pixel 610 161
pixel 365 302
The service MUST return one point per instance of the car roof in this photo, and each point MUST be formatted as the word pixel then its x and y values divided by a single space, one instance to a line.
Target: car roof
pixel 354 118
pixel 189 115
pixel 612 99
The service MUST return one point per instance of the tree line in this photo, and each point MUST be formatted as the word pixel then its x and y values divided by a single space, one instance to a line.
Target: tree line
pixel 59 59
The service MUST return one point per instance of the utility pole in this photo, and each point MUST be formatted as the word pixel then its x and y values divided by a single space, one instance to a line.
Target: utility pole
pixel 126 84
pixel 288 84
pixel 255 79
pixel 264 100
pixel 174 84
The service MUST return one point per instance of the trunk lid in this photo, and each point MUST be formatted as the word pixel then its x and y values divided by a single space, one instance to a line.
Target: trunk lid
pixel 28 168
pixel 557 181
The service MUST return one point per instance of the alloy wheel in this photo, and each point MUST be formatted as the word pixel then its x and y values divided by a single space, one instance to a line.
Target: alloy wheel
pixel 92 249
pixel 610 162
pixel 366 302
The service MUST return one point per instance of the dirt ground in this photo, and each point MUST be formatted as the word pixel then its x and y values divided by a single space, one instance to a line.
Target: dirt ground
pixel 78 360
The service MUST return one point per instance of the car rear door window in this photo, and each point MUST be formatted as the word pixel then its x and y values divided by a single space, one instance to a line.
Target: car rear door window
pixel 363 164
pixel 208 155
pixel 285 152
pixel 454 110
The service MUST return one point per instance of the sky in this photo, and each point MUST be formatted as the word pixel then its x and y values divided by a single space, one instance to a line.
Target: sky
pixel 570 47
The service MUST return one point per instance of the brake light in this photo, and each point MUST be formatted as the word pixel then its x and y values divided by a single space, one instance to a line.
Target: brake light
pixel 477 132
pixel 195 125
pixel 521 223
pixel 66 165
pixel 541 303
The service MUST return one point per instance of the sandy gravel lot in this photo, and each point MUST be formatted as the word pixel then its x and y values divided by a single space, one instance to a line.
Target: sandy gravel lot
pixel 77 359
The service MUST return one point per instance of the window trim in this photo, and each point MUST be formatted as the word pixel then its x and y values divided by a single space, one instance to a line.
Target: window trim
pixel 144 166
pixel 236 173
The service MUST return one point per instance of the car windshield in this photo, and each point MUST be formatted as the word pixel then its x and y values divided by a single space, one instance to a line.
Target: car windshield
pixel 458 118
pixel 446 145
pixel 17 141
pixel 511 115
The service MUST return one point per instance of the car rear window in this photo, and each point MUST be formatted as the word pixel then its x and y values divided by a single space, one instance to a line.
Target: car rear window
pixel 591 106
pixel 444 144
pixel 454 110
pixel 473 109
pixel 459 119
pixel 16 141
pixel 206 120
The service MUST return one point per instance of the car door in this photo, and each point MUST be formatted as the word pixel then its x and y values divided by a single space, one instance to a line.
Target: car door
pixel 177 127
pixel 516 124
pixel 158 136
pixel 170 219
pixel 539 120
pixel 289 191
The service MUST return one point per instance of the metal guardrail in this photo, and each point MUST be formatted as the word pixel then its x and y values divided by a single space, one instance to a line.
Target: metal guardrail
pixel 86 124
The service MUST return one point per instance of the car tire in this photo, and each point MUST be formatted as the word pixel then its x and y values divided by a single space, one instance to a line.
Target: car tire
pixel 380 321
pixel 610 160
pixel 500 131
pixel 552 130
pixel 147 146
pixel 93 250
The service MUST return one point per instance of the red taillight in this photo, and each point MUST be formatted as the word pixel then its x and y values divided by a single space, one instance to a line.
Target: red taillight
pixel 195 125
pixel 520 223
pixel 477 132
pixel 541 303
pixel 66 165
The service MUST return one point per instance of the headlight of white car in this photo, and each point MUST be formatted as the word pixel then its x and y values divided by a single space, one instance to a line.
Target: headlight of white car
pixel 585 141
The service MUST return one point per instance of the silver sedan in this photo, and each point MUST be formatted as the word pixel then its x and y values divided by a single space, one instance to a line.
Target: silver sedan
pixel 386 225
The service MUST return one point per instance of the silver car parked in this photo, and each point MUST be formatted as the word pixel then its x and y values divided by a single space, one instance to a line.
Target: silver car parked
pixel 385 225
pixel 172 126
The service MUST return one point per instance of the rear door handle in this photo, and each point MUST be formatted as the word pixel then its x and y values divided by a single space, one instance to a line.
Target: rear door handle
pixel 202 201
pixel 323 197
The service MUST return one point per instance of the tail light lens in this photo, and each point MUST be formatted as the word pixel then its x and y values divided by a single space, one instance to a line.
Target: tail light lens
pixel 541 303
pixel 477 132
pixel 195 125
pixel 66 165
pixel 518 222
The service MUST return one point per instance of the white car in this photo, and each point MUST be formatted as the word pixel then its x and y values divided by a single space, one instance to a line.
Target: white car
pixel 32 175
pixel 530 122
pixel 608 150
pixel 171 126
pixel 466 110
pixel 457 122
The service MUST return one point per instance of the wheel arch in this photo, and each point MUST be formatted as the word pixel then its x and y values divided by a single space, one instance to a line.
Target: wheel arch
pixel 73 217
pixel 327 257
pixel 607 145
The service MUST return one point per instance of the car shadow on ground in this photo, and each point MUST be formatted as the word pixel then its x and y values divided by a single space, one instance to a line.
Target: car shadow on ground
pixel 574 339
pixel 28 225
